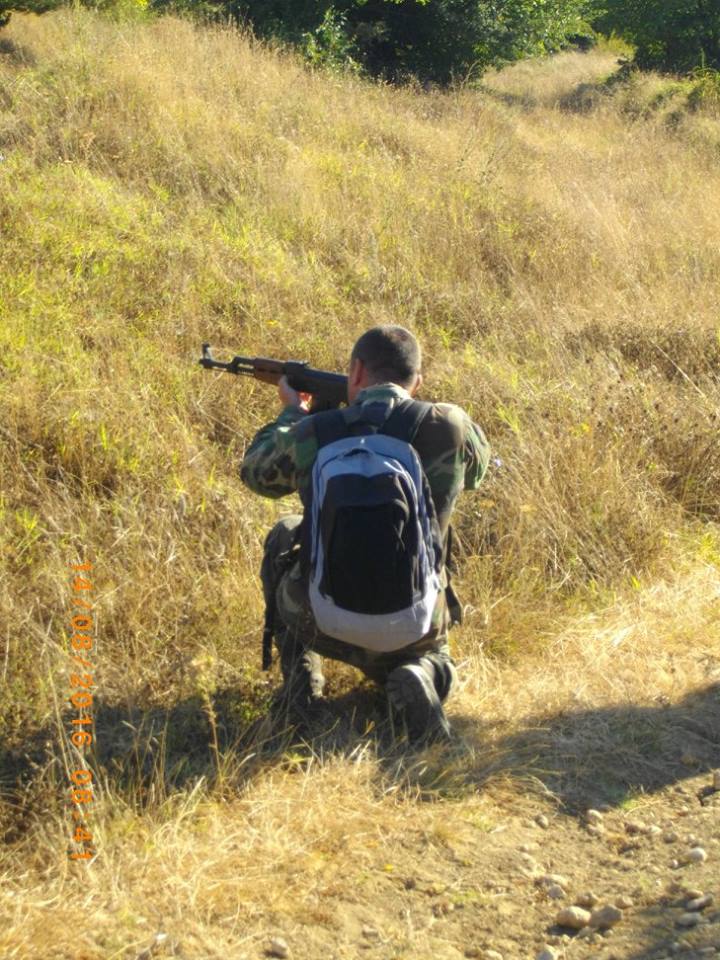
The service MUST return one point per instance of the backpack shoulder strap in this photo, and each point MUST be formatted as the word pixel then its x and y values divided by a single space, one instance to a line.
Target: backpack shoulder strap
pixel 404 422
pixel 329 426
pixel 357 419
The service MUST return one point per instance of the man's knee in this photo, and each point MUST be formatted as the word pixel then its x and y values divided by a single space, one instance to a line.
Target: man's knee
pixel 445 671
pixel 281 538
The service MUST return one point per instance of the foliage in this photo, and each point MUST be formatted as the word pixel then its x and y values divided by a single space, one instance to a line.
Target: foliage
pixel 116 9
pixel 706 90
pixel 676 35
pixel 7 7
pixel 331 44
pixel 434 40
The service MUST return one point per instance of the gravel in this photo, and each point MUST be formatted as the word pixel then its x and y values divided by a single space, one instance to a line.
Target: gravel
pixel 278 948
pixel 574 917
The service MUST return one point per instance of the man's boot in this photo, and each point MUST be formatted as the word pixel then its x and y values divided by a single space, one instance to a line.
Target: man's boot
pixel 416 692
pixel 302 689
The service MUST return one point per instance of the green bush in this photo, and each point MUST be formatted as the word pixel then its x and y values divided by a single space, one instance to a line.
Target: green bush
pixel 433 40
pixel 672 35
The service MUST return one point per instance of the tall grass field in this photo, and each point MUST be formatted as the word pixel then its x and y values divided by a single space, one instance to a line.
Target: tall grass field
pixel 552 238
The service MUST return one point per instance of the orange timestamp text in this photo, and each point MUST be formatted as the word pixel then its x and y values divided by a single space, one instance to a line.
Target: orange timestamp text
pixel 82 645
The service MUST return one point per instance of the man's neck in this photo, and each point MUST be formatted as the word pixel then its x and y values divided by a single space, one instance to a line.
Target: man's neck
pixel 385 387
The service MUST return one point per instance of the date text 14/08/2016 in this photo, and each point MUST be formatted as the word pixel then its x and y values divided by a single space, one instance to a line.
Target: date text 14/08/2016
pixel 81 697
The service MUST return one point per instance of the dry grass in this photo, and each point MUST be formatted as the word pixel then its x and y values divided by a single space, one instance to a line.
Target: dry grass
pixel 555 246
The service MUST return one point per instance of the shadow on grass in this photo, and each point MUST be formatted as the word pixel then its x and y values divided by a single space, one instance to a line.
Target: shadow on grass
pixel 17 53
pixel 587 757
pixel 583 757
pixel 581 99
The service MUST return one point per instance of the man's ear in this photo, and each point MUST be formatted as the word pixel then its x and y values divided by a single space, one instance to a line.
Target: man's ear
pixel 357 372
pixel 418 383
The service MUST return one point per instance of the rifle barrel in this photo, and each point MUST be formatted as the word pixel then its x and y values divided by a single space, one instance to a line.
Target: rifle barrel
pixel 329 389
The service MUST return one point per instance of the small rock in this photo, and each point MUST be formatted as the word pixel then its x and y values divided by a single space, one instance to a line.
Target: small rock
pixel 587 900
pixel 547 954
pixel 699 903
pixel 596 829
pixel 670 837
pixel 635 827
pixel 674 864
pixel 555 892
pixel 691 893
pixel 697 855
pixel 278 948
pixel 529 847
pixel 688 920
pixel 542 821
pixel 624 903
pixel 654 830
pixel 548 879
pixel 574 917
pixel 443 907
pixel 492 955
pixel 605 917
pixel 594 816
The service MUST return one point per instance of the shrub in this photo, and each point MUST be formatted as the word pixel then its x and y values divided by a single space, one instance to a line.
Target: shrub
pixel 433 40
pixel 674 35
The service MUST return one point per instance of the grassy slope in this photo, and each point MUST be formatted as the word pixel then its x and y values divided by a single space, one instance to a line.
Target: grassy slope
pixel 161 186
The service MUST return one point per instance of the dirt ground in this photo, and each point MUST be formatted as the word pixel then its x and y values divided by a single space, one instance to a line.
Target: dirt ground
pixel 496 888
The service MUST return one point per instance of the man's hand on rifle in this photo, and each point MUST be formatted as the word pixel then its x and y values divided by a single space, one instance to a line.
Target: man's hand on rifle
pixel 292 398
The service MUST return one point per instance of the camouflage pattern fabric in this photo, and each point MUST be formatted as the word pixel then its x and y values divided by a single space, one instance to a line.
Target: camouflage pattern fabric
pixel 454 453
pixel 452 449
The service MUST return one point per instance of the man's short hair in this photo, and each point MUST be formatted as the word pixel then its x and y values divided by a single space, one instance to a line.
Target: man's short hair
pixel 390 354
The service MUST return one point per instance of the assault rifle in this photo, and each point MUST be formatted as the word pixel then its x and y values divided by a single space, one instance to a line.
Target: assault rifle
pixel 329 390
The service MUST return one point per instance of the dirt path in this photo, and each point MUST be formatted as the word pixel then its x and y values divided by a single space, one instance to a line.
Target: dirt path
pixel 494 887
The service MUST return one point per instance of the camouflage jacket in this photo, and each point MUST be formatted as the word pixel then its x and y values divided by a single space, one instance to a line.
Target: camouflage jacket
pixel 452 449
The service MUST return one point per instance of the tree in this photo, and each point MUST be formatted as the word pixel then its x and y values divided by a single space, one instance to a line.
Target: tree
pixel 676 35
pixel 430 39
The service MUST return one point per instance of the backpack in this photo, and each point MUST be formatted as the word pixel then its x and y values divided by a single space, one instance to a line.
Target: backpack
pixel 373 543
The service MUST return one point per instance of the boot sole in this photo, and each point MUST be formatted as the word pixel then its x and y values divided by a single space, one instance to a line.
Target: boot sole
pixel 413 696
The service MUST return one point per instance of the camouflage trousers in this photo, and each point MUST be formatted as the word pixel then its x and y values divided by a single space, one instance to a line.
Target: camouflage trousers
pixel 300 643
